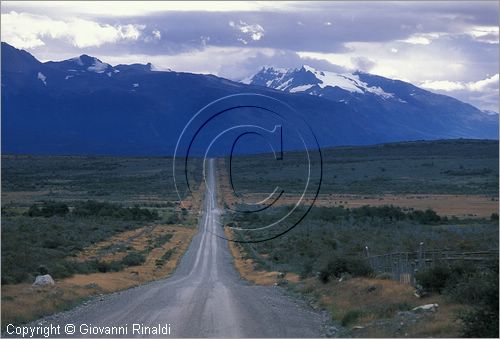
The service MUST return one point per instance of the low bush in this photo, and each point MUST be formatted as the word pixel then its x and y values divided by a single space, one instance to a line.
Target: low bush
pixel 162 239
pixel 165 257
pixel 494 217
pixel 425 217
pixel 475 287
pixel 445 278
pixel 480 290
pixel 337 266
pixel 171 218
pixel 48 209
pixel 351 316
pixel 480 323
pixel 434 278
pixel 92 208
pixel 133 259
pixel 113 266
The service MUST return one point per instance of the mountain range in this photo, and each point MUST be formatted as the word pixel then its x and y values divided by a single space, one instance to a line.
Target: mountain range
pixel 86 106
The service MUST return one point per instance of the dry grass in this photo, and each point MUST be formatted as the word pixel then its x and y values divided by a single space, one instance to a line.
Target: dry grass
pixel 368 307
pixel 22 302
pixel 246 267
pixel 460 206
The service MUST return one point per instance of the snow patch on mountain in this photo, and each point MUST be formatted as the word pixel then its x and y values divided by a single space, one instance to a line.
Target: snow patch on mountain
pixel 98 66
pixel 77 60
pixel 42 78
pixel 300 88
pixel 489 112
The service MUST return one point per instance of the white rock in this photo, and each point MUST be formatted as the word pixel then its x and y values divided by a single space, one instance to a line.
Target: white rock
pixel 428 307
pixel 42 280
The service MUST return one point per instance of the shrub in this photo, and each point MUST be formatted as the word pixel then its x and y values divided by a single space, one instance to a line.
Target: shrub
pixel 434 278
pixel 465 284
pixel 172 218
pixel 133 259
pixel 162 239
pixel 103 266
pixel 425 217
pixel 306 269
pixel 92 208
pixel 480 323
pixel 479 290
pixel 48 209
pixel 354 266
pixel 165 257
pixel 42 270
pixel 442 277
pixel 494 217
pixel 351 316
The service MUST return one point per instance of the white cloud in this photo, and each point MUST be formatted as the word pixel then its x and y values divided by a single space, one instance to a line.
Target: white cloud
pixel 255 31
pixel 156 34
pixel 422 38
pixel 408 62
pixel 474 86
pixel 224 61
pixel 442 85
pixel 481 85
pixel 488 34
pixel 25 30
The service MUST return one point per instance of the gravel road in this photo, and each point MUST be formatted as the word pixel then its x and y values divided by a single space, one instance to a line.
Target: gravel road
pixel 205 297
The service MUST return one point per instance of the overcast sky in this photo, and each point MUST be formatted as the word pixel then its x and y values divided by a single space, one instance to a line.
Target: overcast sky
pixel 448 47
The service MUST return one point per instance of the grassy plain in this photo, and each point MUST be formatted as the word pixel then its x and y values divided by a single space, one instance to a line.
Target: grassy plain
pixel 95 224
pixel 134 230
pixel 386 198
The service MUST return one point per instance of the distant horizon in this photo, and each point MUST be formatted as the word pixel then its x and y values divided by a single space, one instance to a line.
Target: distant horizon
pixel 97 155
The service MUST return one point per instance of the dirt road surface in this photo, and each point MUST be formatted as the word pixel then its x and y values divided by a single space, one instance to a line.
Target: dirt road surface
pixel 205 297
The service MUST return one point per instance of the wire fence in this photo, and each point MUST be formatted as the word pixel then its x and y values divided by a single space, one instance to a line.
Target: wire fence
pixel 403 266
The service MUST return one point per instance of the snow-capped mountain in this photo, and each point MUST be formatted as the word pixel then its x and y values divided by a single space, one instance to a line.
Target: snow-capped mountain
pixel 312 81
pixel 85 106
pixel 83 63
pixel 393 102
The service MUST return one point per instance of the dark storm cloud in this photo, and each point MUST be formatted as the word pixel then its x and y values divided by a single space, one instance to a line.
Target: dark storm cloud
pixel 326 29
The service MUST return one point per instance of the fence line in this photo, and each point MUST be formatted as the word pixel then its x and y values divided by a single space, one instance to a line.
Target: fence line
pixel 403 266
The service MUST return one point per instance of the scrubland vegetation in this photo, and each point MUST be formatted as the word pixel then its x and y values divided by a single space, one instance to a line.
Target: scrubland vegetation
pixel 48 235
pixel 328 249
pixel 331 246
pixel 424 167
pixel 95 224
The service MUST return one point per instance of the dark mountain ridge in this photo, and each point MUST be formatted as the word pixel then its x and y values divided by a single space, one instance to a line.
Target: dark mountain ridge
pixel 86 106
